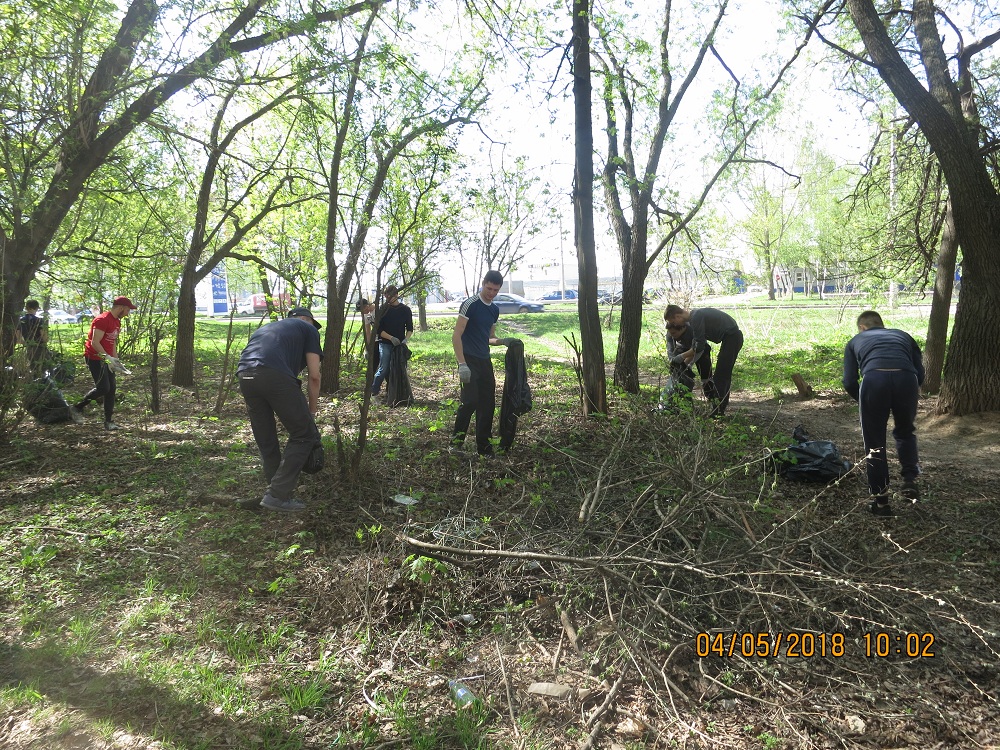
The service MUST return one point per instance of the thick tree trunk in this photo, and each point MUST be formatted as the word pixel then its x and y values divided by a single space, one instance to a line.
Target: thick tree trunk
pixel 971 381
pixel 592 341
pixel 937 326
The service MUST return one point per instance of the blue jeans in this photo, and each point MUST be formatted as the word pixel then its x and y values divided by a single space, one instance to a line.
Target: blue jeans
pixel 384 358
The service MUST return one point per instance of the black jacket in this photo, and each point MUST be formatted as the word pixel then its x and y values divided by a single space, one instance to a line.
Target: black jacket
pixel 516 393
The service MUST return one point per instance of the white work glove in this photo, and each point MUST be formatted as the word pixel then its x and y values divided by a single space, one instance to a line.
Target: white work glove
pixel 394 340
pixel 116 366
pixel 464 373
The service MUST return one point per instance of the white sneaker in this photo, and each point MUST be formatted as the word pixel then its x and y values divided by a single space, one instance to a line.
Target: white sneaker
pixel 76 415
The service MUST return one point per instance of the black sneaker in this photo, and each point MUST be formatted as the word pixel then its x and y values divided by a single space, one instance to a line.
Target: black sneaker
pixel 879 506
pixel 910 490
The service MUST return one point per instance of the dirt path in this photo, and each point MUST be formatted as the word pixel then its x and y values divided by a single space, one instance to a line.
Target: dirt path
pixel 958 455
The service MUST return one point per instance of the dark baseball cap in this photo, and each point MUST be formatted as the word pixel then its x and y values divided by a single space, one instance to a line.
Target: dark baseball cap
pixel 303 312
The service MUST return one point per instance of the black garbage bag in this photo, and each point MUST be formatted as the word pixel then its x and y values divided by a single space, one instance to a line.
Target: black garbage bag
pixel 45 402
pixel 397 383
pixel 808 460
pixel 517 399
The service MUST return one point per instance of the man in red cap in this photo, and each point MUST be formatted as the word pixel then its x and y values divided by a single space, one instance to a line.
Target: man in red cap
pixel 101 353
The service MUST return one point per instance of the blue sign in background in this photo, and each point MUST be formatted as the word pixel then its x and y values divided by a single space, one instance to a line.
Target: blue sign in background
pixel 220 290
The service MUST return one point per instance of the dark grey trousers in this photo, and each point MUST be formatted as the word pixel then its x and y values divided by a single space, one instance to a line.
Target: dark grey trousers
pixel 269 394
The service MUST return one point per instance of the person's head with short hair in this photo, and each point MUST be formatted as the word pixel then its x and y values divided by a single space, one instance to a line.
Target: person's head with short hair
pixel 364 306
pixel 121 307
pixel 31 306
pixel 675 315
pixel 492 282
pixel 675 331
pixel 391 294
pixel 303 312
pixel 869 319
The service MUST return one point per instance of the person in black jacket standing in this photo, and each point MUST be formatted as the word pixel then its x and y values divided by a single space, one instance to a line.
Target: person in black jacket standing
pixel 394 328
pixel 892 372
pixel 32 333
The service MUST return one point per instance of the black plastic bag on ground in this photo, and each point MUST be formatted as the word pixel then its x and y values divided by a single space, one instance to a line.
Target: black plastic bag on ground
pixel 45 402
pixel 808 460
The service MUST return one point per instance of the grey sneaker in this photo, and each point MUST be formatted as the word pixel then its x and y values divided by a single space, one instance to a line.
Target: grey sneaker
pixel 76 414
pixel 287 506
pixel 110 426
pixel 910 490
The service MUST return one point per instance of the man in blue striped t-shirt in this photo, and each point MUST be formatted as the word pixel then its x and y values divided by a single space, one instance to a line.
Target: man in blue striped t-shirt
pixel 474 334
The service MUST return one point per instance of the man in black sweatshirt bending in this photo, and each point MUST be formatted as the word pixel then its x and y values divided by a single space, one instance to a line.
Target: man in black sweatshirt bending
pixel 892 372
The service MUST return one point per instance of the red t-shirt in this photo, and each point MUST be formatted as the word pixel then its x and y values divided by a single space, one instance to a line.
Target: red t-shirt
pixel 110 325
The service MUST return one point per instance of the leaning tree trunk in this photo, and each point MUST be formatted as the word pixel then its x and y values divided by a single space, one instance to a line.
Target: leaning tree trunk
pixel 937 326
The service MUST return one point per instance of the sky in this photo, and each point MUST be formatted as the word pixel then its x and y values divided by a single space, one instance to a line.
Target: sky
pixel 528 124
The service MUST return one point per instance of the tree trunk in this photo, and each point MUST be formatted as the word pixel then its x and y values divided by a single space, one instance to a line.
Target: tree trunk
pixel 937 326
pixel 591 338
pixel 422 313
pixel 630 329
pixel 971 381
pixel 183 374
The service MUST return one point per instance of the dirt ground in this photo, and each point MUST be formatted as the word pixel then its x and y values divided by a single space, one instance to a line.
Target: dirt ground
pixel 959 456
pixel 944 547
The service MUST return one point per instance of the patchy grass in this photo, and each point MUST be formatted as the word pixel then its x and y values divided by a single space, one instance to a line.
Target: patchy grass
pixel 139 607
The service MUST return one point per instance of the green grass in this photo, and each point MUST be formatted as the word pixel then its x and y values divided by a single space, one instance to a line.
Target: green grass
pixel 133 603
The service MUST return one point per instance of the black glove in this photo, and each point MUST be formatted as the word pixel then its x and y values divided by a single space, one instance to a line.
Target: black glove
pixel 506 342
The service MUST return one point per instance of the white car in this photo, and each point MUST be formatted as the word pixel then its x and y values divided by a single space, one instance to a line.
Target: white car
pixel 60 316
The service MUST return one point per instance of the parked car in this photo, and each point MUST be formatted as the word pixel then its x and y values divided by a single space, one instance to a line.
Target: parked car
pixel 515 303
pixel 558 295
pixel 616 298
pixel 84 316
pixel 60 316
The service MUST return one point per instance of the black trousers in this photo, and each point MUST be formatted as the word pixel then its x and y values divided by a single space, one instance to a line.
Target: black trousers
pixel 885 392
pixel 479 397
pixel 729 348
pixel 269 394
pixel 105 385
